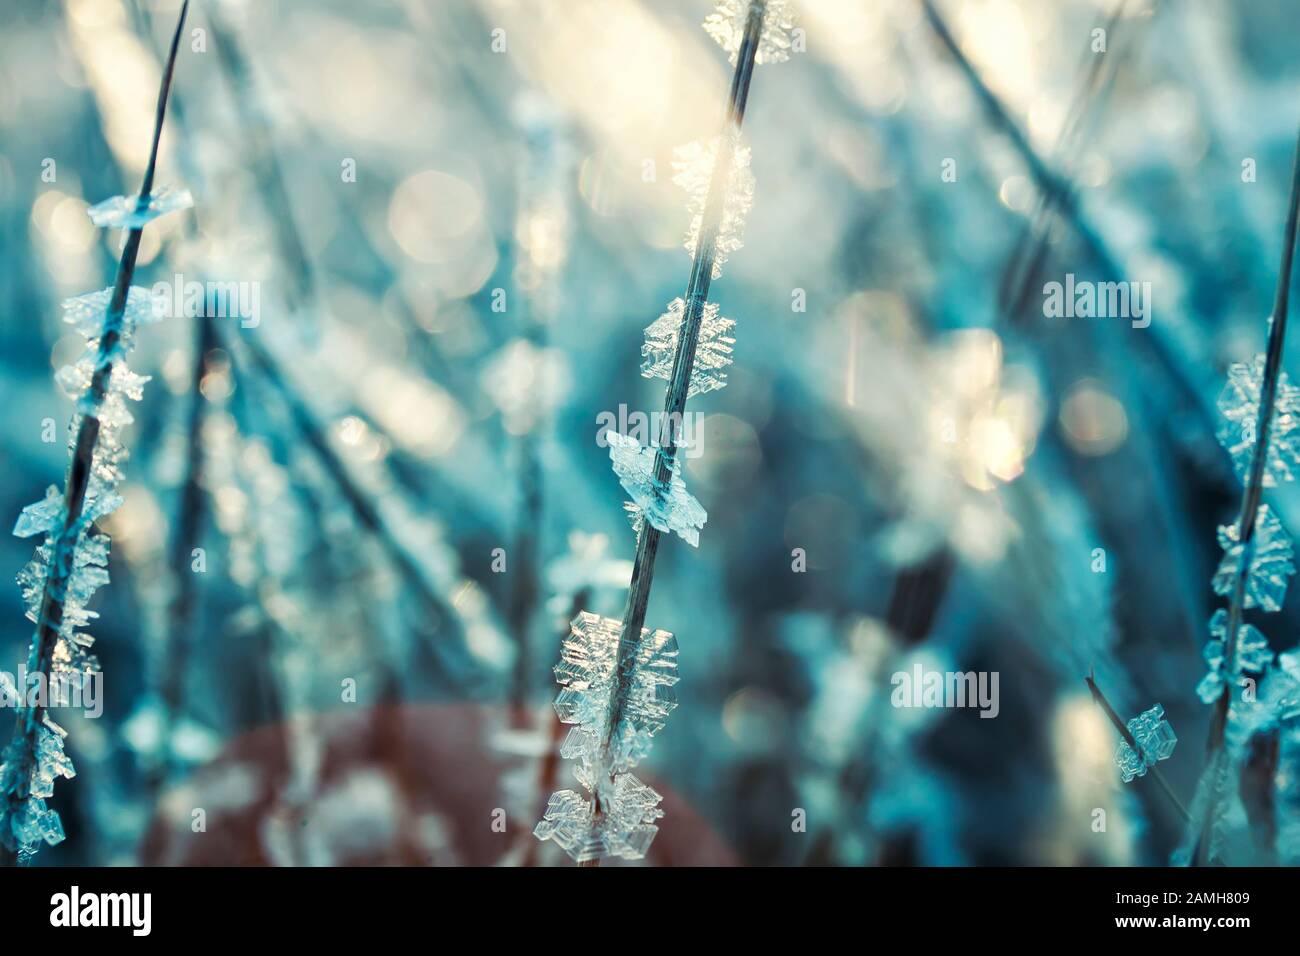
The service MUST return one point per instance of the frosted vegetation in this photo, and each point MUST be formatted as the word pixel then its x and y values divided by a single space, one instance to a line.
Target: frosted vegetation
pixel 351 542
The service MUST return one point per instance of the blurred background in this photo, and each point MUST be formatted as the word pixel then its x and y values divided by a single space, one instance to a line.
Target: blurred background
pixel 354 528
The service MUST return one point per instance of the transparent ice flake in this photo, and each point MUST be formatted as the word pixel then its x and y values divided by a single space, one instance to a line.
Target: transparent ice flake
pixel 1252 655
pixel 1155 739
pixel 86 312
pixel 124 212
pixel 712 352
pixel 1270 564
pixel 668 506
pixel 43 516
pixel 1239 405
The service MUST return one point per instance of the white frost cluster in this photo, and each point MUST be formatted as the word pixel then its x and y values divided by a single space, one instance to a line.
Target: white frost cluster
pixel 1239 404
pixel 617 819
pixel 712 353
pixel 73 559
pixel 669 507
pixel 694 165
pixel 1270 564
pixel 727 26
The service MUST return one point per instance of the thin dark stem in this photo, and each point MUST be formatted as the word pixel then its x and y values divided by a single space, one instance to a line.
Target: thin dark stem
pixel 49 621
pixel 1250 498
pixel 367 512
pixel 189 521
pixel 697 293
pixel 1058 190
pixel 1120 726
pixel 263 161
pixel 1032 250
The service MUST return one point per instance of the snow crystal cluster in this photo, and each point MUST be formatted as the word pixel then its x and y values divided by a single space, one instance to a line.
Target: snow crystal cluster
pixel 1269 565
pixel 617 819
pixel 1266 560
pixel 1155 739
pixel 1239 405
pixel 72 562
pixel 697 165
pixel 727 26
pixel 712 353
pixel 617 701
pixel 1252 655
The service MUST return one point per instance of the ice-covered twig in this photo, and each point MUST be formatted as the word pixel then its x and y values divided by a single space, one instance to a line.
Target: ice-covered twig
pixel 1254 572
pixel 1141 758
pixel 618 691
pixel 189 520
pixel 72 563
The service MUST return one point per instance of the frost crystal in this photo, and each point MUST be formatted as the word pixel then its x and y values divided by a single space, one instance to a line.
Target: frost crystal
pixel 671 509
pixel 727 26
pixel 1253 655
pixel 31 821
pixel 694 164
pixel 71 564
pixel 41 517
pixel 712 354
pixel 1155 739
pixel 589 685
pixel 86 312
pixel 624 828
pixel 1270 562
pixel 124 212
pixel 1239 404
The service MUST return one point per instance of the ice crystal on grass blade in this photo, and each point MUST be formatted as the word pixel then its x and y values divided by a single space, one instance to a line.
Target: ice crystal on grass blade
pixel 72 562
pixel 712 354
pixel 86 312
pixel 727 26
pixel 587 674
pixel 694 164
pixel 625 828
pixel 1270 562
pixel 1155 740
pixel 671 509
pixel 616 674
pixel 124 212
pixel 1239 404
pixel 1252 655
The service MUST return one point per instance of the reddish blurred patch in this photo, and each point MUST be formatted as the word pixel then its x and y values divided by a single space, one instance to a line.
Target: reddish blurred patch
pixel 398 785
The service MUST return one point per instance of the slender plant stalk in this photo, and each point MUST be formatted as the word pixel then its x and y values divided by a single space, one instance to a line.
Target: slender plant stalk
pixel 1052 185
pixel 1250 501
pixel 189 522
pixel 697 294
pixel 453 661
pixel 1032 251
pixel 49 620
pixel 1120 726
